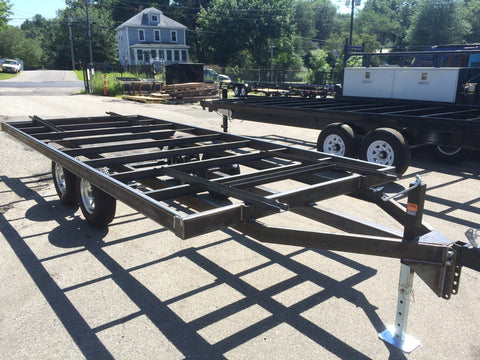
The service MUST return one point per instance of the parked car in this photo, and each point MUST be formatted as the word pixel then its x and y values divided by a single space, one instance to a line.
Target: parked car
pixel 211 76
pixel 11 66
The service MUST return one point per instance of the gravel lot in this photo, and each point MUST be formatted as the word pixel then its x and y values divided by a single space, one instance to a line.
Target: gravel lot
pixel 135 291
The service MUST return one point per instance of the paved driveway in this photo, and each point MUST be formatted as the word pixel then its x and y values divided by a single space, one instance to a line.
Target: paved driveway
pixel 41 82
pixel 135 291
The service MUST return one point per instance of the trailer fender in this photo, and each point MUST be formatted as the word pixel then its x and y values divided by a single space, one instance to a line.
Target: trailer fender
pixel 387 147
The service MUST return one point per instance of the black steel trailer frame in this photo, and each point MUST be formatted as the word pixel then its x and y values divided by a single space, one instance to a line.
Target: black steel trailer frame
pixel 165 170
pixel 274 83
pixel 377 130
pixel 282 89
pixel 421 122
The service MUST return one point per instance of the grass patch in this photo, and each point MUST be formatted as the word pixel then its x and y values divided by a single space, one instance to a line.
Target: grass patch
pixel 6 76
pixel 79 74
pixel 114 87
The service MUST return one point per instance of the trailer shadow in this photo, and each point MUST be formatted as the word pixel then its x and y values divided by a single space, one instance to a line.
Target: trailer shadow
pixel 76 237
pixel 444 195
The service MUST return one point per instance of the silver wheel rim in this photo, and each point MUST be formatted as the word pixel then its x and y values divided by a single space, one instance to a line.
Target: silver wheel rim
pixel 380 152
pixel 449 150
pixel 334 144
pixel 86 194
pixel 60 178
pixel 243 92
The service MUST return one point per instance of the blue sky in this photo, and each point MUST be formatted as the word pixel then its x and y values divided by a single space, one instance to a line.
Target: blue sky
pixel 26 9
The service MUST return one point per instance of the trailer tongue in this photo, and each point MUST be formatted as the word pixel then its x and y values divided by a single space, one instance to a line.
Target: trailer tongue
pixel 194 181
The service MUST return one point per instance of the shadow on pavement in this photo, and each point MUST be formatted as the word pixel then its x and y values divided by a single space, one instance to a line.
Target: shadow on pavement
pixel 183 334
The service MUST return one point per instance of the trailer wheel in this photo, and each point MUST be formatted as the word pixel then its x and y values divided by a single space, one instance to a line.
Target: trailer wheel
pixel 337 139
pixel 450 154
pixel 97 206
pixel 236 90
pixel 243 91
pixel 387 147
pixel 64 182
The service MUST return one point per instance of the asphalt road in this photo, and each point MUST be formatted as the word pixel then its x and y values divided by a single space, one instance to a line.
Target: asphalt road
pixel 135 291
pixel 41 82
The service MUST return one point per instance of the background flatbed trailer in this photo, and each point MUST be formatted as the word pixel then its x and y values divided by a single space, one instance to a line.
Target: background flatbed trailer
pixel 282 89
pixel 166 170
pixel 350 126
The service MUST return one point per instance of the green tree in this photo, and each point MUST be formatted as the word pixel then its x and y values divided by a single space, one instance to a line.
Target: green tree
pixel 471 11
pixel 388 20
pixel 325 17
pixel 45 34
pixel 230 27
pixel 318 66
pixel 438 22
pixel 5 12
pixel 103 36
pixel 14 44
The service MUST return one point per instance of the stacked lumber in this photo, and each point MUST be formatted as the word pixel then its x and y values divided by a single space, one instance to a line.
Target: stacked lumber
pixel 178 93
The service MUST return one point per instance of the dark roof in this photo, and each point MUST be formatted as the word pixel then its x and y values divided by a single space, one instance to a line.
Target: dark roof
pixel 142 20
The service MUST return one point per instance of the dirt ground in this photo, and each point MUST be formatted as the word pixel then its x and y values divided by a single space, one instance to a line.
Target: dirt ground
pixel 135 291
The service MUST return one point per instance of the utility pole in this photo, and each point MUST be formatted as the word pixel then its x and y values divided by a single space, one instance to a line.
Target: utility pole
pixel 71 38
pixel 271 60
pixel 89 34
pixel 351 21
pixel 353 3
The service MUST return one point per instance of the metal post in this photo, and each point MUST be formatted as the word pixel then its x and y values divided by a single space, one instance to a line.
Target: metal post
pixel 70 37
pixel 225 117
pixel 396 335
pixel 89 34
pixel 351 22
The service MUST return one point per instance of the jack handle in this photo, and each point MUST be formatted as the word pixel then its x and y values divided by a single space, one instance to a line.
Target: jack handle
pixel 414 185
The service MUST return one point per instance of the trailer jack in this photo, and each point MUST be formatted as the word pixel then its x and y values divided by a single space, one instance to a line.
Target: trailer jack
pixel 396 334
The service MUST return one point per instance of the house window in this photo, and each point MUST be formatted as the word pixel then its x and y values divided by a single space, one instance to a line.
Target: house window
pixel 141 34
pixel 177 55
pixel 139 54
pixel 169 55
pixel 184 55
pixel 146 55
pixel 161 54
pixel 156 35
pixel 173 36
pixel 154 18
pixel 154 54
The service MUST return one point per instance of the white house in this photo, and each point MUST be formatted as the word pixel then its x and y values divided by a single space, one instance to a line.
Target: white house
pixel 151 36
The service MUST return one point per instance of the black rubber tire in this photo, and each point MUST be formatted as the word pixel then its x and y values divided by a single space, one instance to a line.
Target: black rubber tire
pixel 337 139
pixel 386 146
pixel 236 90
pixel 450 154
pixel 243 91
pixel 98 207
pixel 65 184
